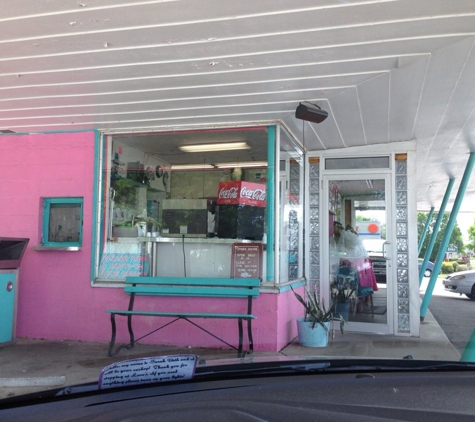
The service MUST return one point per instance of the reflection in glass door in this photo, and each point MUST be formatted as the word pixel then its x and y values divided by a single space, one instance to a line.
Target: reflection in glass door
pixel 359 251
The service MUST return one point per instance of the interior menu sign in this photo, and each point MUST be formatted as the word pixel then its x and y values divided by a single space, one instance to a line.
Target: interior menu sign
pixel 246 260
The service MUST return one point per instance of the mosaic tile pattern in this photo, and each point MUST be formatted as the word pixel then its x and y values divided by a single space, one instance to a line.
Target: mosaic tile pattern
pixel 401 197
pixel 401 167
pixel 314 189
pixel 401 182
pixel 402 275
pixel 293 241
pixel 314 199
pixel 402 244
pixel 403 290
pixel 401 229
pixel 295 172
pixel 313 185
pixel 315 245
pixel 314 227
pixel 314 214
pixel 401 213
pixel 314 171
pixel 403 316
pixel 314 274
pixel 403 308
pixel 402 260
pixel 403 320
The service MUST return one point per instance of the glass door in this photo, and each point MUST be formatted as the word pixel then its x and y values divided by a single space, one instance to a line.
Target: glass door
pixel 359 252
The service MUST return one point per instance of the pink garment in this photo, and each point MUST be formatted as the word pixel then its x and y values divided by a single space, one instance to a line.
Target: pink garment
pixel 366 274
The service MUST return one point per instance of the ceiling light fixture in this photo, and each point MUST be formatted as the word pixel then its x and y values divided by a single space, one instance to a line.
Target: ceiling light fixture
pixel 225 146
pixel 310 112
pixel 242 164
pixel 192 166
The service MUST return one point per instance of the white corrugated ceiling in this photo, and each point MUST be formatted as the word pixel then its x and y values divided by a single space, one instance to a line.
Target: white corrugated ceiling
pixel 386 71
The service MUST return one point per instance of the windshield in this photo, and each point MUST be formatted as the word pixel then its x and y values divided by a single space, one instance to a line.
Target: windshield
pixel 231 182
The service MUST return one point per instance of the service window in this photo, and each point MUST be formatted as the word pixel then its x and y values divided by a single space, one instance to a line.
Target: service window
pixel 175 203
pixel 62 221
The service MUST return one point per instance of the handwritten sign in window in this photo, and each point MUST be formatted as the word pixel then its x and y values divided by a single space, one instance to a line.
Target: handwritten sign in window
pixel 246 260
pixel 148 370
pixel 121 265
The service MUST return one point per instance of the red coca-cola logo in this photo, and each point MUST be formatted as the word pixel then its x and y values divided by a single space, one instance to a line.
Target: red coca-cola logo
pixel 241 193
pixel 254 194
pixel 231 193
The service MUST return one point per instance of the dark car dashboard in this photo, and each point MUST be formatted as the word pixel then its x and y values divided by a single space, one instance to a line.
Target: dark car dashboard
pixel 309 395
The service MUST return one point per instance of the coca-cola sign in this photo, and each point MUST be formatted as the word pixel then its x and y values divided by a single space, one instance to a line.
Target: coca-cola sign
pixel 242 193
pixel 231 193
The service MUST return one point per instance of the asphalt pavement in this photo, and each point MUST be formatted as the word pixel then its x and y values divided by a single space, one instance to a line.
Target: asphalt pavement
pixel 453 312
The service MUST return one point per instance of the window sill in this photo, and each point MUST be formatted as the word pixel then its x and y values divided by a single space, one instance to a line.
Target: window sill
pixel 57 248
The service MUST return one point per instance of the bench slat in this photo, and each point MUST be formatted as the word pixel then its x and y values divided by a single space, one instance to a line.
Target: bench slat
pixel 165 290
pixel 181 314
pixel 195 281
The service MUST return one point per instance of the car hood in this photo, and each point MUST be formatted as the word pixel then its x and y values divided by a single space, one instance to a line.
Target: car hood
pixel 467 272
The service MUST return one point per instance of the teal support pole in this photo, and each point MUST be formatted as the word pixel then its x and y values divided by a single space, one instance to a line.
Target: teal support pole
pixel 468 354
pixel 435 232
pixel 270 219
pixel 426 227
pixel 447 235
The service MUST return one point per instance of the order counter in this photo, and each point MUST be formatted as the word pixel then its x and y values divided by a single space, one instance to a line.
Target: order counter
pixel 186 256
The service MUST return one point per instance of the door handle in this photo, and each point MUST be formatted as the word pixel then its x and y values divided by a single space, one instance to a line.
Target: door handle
pixel 9 286
pixel 385 252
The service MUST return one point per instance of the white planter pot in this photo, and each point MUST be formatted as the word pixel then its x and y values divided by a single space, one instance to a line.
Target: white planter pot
pixel 316 337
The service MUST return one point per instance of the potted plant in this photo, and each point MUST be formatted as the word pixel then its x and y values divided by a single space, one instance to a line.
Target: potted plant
pixel 342 300
pixel 314 328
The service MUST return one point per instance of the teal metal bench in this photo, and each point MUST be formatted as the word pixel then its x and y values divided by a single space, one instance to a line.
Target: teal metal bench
pixel 219 288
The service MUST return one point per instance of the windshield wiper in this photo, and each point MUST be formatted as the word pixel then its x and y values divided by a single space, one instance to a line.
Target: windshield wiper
pixel 330 366
pixel 275 368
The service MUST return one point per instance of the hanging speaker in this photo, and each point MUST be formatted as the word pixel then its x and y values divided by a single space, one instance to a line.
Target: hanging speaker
pixel 310 112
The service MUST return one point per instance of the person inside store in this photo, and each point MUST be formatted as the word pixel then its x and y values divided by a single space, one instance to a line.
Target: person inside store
pixel 211 219
pixel 337 241
pixel 347 242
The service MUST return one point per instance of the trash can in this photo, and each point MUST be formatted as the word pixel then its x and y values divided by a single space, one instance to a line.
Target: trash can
pixel 11 254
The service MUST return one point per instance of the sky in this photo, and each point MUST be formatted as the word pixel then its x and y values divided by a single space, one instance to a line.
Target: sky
pixel 464 221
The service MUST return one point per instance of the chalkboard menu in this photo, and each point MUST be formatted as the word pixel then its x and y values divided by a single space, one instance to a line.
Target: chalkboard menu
pixel 246 260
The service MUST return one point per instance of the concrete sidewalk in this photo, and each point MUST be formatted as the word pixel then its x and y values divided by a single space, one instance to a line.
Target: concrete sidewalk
pixel 35 365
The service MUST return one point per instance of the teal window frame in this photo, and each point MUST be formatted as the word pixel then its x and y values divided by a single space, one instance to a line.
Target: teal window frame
pixel 61 201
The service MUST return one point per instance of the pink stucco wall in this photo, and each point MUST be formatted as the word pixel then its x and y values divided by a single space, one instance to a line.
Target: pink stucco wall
pixel 55 298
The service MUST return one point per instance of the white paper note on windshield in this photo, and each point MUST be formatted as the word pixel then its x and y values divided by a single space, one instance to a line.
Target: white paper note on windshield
pixel 148 370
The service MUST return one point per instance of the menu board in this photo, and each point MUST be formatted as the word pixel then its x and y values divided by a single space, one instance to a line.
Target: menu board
pixel 246 260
